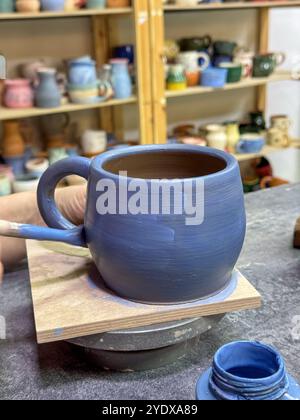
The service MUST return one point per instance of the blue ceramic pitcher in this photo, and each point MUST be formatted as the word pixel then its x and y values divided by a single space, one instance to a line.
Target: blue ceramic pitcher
pixel 158 254
pixel 47 94
pixel 121 78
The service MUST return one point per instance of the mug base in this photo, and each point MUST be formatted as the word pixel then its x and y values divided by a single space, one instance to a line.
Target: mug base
pixel 219 296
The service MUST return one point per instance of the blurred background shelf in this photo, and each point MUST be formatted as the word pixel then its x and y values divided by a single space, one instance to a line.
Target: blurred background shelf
pixel 266 151
pixel 10 114
pixel 254 82
pixel 232 6
pixel 76 13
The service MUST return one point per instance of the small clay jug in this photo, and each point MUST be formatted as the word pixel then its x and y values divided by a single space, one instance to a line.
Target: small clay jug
pixel 47 94
pixel 13 142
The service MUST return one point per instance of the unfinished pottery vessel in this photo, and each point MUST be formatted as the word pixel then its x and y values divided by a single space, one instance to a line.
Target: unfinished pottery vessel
pixel 246 370
pixel 152 255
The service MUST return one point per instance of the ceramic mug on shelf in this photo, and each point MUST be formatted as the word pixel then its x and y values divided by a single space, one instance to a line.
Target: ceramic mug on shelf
pixel 141 255
pixel 281 122
pixel 278 138
pixel 216 136
pixel 214 77
pixel 190 60
pixel 265 64
pixel 250 143
pixel 202 43
pixel 234 71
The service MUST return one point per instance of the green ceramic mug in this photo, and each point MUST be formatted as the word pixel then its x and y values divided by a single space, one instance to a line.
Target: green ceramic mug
pixel 234 71
pixel 265 64
pixel 225 48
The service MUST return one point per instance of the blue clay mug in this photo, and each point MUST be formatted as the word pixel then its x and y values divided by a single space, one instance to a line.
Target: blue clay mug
pixel 250 143
pixel 247 370
pixel 153 255
pixel 214 77
pixel 53 5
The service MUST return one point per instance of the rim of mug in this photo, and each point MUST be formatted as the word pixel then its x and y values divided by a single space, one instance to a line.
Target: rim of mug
pixel 99 161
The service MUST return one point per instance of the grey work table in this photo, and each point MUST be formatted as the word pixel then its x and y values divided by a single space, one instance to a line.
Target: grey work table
pixel 52 371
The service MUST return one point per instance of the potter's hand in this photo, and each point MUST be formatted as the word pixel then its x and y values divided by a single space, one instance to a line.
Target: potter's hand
pixel 71 202
pixel 22 208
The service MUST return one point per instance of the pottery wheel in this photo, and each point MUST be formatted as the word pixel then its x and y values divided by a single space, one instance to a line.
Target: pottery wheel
pixel 150 337
pixel 145 347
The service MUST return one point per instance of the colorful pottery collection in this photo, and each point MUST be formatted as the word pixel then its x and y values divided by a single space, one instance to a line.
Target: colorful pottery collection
pixel 213 64
pixel 81 83
pixel 35 6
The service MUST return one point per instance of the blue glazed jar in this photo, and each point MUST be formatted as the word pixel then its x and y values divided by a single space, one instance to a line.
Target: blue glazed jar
pixel 53 5
pixel 121 80
pixel 246 370
pixel 96 4
pixel 47 94
pixel 214 77
pixel 155 254
pixel 7 6
pixel 82 72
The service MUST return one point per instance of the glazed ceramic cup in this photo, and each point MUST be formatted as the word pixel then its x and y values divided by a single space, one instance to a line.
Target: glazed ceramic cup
pixel 281 122
pixel 195 43
pixel 214 77
pixel 250 143
pixel 264 65
pixel 225 48
pixel 234 71
pixel 152 257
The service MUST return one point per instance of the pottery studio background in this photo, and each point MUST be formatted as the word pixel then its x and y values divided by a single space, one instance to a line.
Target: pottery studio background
pixel 61 40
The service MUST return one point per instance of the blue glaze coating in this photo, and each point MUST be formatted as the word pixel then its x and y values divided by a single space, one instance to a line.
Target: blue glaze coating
pixel 47 94
pixel 250 145
pixel 214 77
pixel 52 5
pixel 121 80
pixel 156 258
pixel 247 371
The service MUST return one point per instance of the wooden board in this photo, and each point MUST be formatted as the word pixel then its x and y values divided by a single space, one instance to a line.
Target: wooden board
pixel 68 303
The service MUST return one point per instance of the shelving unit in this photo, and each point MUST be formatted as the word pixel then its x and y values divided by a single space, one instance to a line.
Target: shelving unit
pixel 233 6
pixel 9 114
pixel 151 99
pixel 267 150
pixel 162 98
pixel 63 15
pixel 244 84
pixel 101 23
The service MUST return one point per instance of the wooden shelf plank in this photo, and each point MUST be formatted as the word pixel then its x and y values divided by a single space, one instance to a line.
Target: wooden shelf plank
pixel 265 151
pixel 76 13
pixel 277 77
pixel 9 114
pixel 233 6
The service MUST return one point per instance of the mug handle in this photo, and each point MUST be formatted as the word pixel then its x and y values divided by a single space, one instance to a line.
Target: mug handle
pixel 280 58
pixel 206 59
pixel 60 229
pixel 239 147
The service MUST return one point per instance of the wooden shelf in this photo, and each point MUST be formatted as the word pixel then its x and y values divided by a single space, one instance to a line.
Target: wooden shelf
pixel 9 114
pixel 233 6
pixel 55 15
pixel 265 151
pixel 247 83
